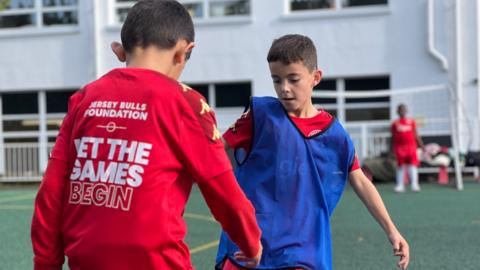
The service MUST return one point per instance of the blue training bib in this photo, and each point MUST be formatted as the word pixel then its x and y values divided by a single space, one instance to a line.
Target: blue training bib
pixel 294 183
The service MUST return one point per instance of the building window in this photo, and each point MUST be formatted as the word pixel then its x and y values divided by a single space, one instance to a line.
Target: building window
pixel 354 3
pixel 121 9
pixel 232 94
pixel 302 5
pixel 20 103
pixel 198 9
pixel 311 4
pixel 325 85
pixel 354 109
pixel 225 95
pixel 366 109
pixel 202 89
pixel 326 103
pixel 37 13
pixel 57 102
pixel 367 114
pixel 367 84
pixel 229 8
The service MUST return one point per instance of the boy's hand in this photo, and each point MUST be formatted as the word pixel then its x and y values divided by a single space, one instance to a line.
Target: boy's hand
pixel 400 249
pixel 249 262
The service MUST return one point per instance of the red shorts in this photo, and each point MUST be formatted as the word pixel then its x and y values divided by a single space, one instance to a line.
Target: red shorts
pixel 406 156
pixel 230 266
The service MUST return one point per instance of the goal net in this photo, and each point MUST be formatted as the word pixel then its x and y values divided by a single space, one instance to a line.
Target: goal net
pixel 367 116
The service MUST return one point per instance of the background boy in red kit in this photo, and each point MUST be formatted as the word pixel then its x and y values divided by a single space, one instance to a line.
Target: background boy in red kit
pixel 404 143
pixel 126 157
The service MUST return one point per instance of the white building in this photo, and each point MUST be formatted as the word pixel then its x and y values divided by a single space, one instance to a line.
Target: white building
pixel 49 48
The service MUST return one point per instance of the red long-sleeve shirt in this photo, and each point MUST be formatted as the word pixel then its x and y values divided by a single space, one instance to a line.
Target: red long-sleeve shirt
pixel 128 152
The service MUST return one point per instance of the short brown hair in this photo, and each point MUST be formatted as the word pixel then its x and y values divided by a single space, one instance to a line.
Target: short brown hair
pixel 161 23
pixel 293 48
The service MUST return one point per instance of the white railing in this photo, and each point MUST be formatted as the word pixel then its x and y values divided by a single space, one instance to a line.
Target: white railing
pixel 371 145
pixel 373 138
pixel 370 138
pixel 21 162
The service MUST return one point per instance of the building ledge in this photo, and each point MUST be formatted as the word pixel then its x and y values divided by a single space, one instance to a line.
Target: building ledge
pixel 233 20
pixel 223 21
pixel 34 31
pixel 340 13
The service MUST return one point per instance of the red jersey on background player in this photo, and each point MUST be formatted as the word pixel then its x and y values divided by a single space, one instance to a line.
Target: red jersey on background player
pixel 123 165
pixel 404 143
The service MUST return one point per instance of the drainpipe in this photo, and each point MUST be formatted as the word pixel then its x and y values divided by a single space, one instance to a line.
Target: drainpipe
pixel 478 72
pixel 458 89
pixel 431 37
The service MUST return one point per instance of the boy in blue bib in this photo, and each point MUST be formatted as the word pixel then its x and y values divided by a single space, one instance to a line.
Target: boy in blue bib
pixel 293 164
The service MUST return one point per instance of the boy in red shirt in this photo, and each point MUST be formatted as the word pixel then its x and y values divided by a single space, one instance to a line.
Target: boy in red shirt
pixel 123 165
pixel 404 143
pixel 293 163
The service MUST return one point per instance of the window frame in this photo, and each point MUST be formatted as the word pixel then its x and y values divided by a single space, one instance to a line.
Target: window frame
pixel 342 106
pixel 212 93
pixel 38 10
pixel 338 10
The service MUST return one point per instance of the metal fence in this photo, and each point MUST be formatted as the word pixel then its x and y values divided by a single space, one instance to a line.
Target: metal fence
pixel 21 162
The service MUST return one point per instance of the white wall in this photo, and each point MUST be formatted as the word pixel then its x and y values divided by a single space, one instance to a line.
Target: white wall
pixel 384 40
pixel 55 57
pixel 356 42
pixel 381 40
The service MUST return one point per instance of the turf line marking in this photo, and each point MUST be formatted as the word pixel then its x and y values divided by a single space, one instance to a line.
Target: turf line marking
pixel 204 247
pixel 18 198
pixel 200 217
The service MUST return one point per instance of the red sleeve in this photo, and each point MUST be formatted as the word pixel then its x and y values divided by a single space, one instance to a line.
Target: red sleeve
pixel 355 164
pixel 199 145
pixel 45 230
pixel 206 159
pixel 233 210
pixel 239 135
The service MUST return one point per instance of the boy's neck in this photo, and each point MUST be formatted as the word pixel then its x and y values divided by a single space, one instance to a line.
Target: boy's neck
pixel 308 111
pixel 153 59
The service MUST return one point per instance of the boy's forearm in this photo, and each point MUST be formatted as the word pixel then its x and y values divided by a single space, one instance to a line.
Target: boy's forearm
pixel 233 210
pixel 369 195
pixel 45 229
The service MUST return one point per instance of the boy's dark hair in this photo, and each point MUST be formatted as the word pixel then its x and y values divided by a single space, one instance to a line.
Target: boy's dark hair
pixel 161 23
pixel 293 48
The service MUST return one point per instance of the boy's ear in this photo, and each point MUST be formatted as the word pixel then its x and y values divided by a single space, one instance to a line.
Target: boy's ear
pixel 119 51
pixel 317 76
pixel 183 52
